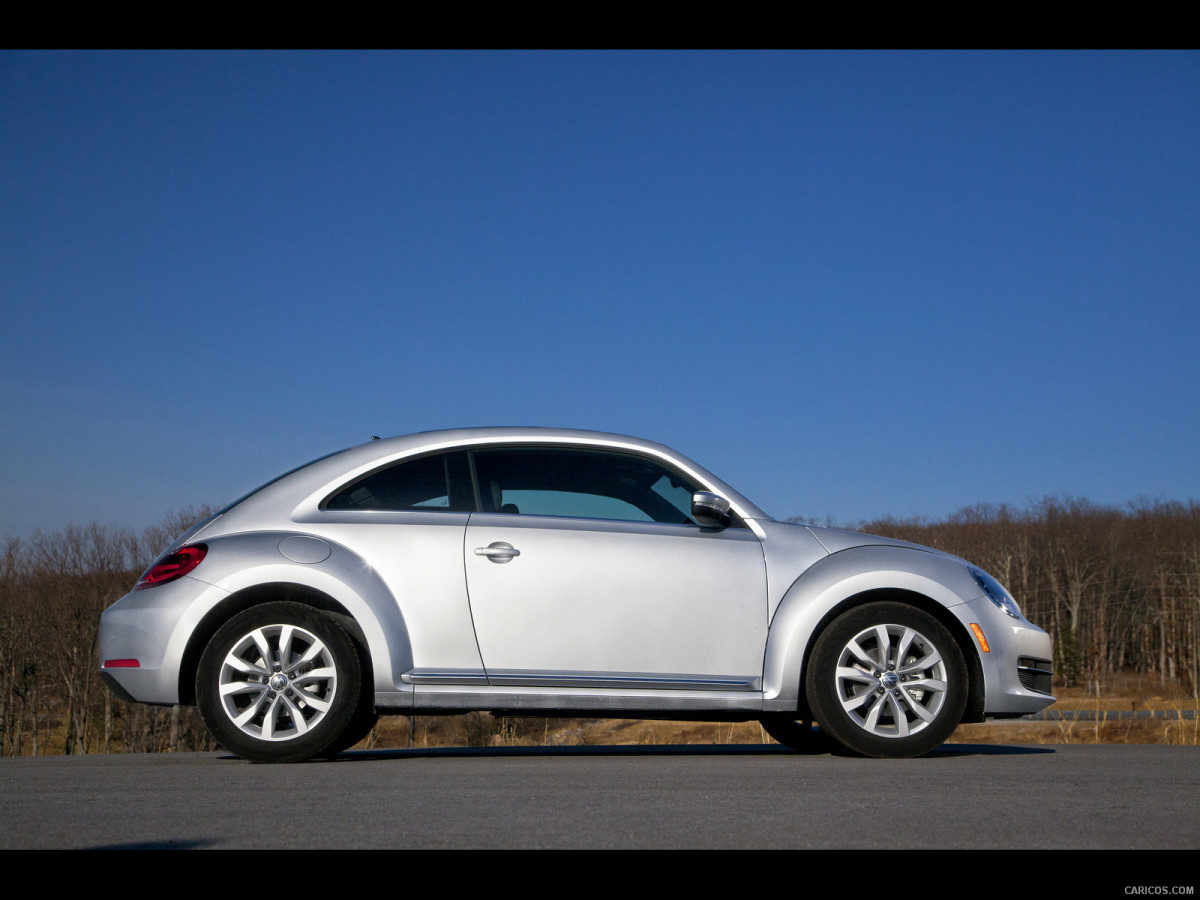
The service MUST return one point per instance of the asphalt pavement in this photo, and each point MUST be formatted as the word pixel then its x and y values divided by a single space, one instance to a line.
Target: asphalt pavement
pixel 963 796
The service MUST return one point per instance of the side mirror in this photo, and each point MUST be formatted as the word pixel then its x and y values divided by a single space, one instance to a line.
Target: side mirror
pixel 711 510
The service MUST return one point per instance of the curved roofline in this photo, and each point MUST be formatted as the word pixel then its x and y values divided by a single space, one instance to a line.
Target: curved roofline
pixel 485 432
pixel 296 496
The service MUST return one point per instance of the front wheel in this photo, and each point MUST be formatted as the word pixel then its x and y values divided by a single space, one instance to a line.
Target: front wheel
pixel 279 683
pixel 887 679
pixel 361 725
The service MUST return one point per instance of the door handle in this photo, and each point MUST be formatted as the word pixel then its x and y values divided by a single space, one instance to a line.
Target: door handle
pixel 498 551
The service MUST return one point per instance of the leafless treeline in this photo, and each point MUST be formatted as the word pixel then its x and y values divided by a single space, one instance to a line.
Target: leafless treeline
pixel 1117 588
pixel 53 588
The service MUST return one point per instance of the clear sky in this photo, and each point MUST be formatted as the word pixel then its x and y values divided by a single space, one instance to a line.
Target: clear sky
pixel 851 284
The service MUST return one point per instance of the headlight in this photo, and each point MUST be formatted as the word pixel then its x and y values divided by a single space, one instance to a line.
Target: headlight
pixel 996 593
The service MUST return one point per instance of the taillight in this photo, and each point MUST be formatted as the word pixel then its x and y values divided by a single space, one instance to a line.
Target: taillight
pixel 172 565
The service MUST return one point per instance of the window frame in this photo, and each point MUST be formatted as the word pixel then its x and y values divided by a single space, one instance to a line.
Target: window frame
pixel 471 471
pixel 444 452
pixel 669 470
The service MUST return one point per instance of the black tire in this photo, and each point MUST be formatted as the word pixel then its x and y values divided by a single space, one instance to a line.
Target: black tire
pixel 891 707
pixel 361 723
pixel 290 707
pixel 797 734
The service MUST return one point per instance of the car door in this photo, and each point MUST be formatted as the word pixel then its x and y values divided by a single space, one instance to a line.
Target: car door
pixel 584 569
pixel 407 521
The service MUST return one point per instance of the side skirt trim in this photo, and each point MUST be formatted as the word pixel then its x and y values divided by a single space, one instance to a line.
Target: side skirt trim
pixel 634 681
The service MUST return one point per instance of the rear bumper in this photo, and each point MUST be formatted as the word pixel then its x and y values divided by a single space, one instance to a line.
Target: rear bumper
pixel 152 627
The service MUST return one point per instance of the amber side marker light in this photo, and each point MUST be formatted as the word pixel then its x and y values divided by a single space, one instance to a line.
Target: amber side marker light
pixel 122 664
pixel 983 644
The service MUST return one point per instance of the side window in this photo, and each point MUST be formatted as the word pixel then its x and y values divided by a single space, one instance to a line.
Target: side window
pixel 592 484
pixel 438 482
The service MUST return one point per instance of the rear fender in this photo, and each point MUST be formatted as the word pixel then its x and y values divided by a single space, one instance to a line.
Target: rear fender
pixel 251 568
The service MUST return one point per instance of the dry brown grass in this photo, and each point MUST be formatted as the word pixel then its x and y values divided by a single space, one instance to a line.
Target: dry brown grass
pixel 1117 693
pixel 472 730
pixel 1070 731
pixel 1103 698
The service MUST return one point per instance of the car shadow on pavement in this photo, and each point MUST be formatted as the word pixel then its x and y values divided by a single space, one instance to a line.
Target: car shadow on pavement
pixel 820 748
pixel 156 845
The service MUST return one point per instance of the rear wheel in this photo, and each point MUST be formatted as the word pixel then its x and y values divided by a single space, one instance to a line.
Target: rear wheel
pixel 279 682
pixel 887 679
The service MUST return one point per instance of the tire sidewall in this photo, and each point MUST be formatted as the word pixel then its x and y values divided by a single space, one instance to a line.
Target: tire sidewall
pixel 319 737
pixel 821 687
pixel 791 732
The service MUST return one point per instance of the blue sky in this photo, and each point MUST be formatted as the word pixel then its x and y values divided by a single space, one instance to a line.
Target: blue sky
pixel 851 284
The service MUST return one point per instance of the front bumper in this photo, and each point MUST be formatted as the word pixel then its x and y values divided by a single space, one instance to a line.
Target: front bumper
pixel 1016 668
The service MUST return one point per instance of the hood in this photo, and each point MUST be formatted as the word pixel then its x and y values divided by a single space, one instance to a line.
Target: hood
pixel 835 539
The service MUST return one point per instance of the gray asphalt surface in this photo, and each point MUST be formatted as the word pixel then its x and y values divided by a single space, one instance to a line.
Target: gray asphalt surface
pixel 963 796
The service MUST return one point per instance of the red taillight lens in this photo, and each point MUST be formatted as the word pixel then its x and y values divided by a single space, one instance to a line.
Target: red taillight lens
pixel 172 565
pixel 121 664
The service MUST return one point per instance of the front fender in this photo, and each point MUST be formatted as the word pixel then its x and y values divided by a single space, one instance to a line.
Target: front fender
pixel 838 582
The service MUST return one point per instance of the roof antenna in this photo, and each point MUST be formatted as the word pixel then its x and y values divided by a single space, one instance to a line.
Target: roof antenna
pixel 374 437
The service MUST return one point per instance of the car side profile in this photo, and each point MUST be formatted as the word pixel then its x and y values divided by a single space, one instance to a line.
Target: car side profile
pixel 546 571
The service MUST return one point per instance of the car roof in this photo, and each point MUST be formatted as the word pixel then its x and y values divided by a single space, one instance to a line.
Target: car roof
pixel 296 495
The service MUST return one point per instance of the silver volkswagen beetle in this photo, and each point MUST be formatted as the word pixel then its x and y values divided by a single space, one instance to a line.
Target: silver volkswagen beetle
pixel 547 571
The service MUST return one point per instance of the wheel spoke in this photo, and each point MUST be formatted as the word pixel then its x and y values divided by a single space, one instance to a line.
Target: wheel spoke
pixel 271 718
pixel 242 687
pixel 927 684
pixel 264 648
pixel 856 650
pixel 315 702
pixel 928 661
pixel 919 709
pixel 312 652
pixel 246 668
pixel 849 673
pixel 250 712
pixel 884 645
pixel 898 715
pixel 906 640
pixel 853 703
pixel 872 722
pixel 285 645
pixel 313 675
pixel 296 714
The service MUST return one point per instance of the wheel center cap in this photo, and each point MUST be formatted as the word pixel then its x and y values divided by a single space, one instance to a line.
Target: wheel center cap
pixel 889 680
pixel 278 681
